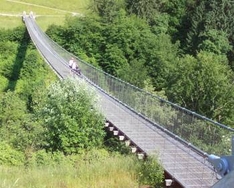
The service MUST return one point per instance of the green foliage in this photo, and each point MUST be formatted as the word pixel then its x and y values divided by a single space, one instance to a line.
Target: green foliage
pixel 3 35
pixel 9 156
pixel 95 155
pixel 113 59
pixel 80 36
pixel 34 74
pixel 204 85
pixel 71 117
pixel 160 24
pixel 122 48
pixel 41 158
pixel 12 111
pixel 18 35
pixel 107 9
pixel 8 51
pixel 176 11
pixel 150 172
pixel 15 49
pixel 208 17
pixel 204 135
pixel 215 41
pixel 146 9
pixel 130 73
pixel 4 83
pixel 162 57
pixel 55 32
pixel 13 35
pixel 150 89
pixel 137 49
pixel 17 126
pixel 113 144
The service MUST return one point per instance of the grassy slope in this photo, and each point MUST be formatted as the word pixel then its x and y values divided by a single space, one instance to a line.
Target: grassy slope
pixel 50 11
pixel 114 172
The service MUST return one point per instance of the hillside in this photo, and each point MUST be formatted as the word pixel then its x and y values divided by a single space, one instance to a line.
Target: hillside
pixel 48 12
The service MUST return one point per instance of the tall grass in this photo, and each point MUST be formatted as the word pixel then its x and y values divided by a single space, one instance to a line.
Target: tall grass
pixel 114 172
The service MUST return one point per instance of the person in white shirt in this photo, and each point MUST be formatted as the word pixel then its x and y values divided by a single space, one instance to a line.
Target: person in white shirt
pixel 74 66
pixel 71 62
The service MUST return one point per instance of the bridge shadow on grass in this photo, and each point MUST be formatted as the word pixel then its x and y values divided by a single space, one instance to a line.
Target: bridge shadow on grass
pixel 20 57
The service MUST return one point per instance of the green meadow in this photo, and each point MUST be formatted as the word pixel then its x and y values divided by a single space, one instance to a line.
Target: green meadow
pixel 47 12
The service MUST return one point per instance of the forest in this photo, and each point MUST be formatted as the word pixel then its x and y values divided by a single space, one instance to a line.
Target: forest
pixel 181 50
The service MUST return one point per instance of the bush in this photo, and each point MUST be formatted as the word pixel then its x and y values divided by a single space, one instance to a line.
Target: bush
pixel 41 158
pixel 10 156
pixel 150 172
pixel 71 118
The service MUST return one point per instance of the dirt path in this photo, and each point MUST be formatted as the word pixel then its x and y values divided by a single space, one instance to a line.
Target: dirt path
pixel 20 15
pixel 10 15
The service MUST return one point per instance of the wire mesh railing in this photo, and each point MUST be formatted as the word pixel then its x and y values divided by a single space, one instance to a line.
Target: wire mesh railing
pixel 204 135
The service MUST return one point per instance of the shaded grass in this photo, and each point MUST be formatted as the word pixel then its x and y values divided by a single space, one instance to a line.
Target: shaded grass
pixel 51 12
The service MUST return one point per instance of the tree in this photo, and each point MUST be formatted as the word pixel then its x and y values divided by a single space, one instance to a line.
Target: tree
pixel 178 12
pixel 34 75
pixel 18 128
pixel 134 73
pixel 208 17
pixel 145 9
pixel 13 112
pixel 113 59
pixel 197 26
pixel 215 41
pixel 124 42
pixel 8 51
pixel 107 9
pixel 162 57
pixel 205 85
pixel 71 118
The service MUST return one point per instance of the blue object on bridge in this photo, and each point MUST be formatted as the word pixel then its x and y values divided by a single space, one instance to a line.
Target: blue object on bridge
pixel 220 164
pixel 224 164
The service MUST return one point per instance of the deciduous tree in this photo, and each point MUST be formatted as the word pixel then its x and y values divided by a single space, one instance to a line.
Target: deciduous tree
pixel 205 85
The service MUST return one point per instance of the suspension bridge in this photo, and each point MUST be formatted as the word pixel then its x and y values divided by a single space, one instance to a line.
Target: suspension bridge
pixel 183 140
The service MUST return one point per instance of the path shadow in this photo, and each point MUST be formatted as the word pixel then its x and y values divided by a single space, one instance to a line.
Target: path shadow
pixel 18 62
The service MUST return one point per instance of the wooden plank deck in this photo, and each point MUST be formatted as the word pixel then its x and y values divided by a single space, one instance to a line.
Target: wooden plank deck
pixel 186 166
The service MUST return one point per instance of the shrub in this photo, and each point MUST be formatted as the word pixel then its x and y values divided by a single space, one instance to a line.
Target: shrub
pixel 10 156
pixel 71 118
pixel 150 172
